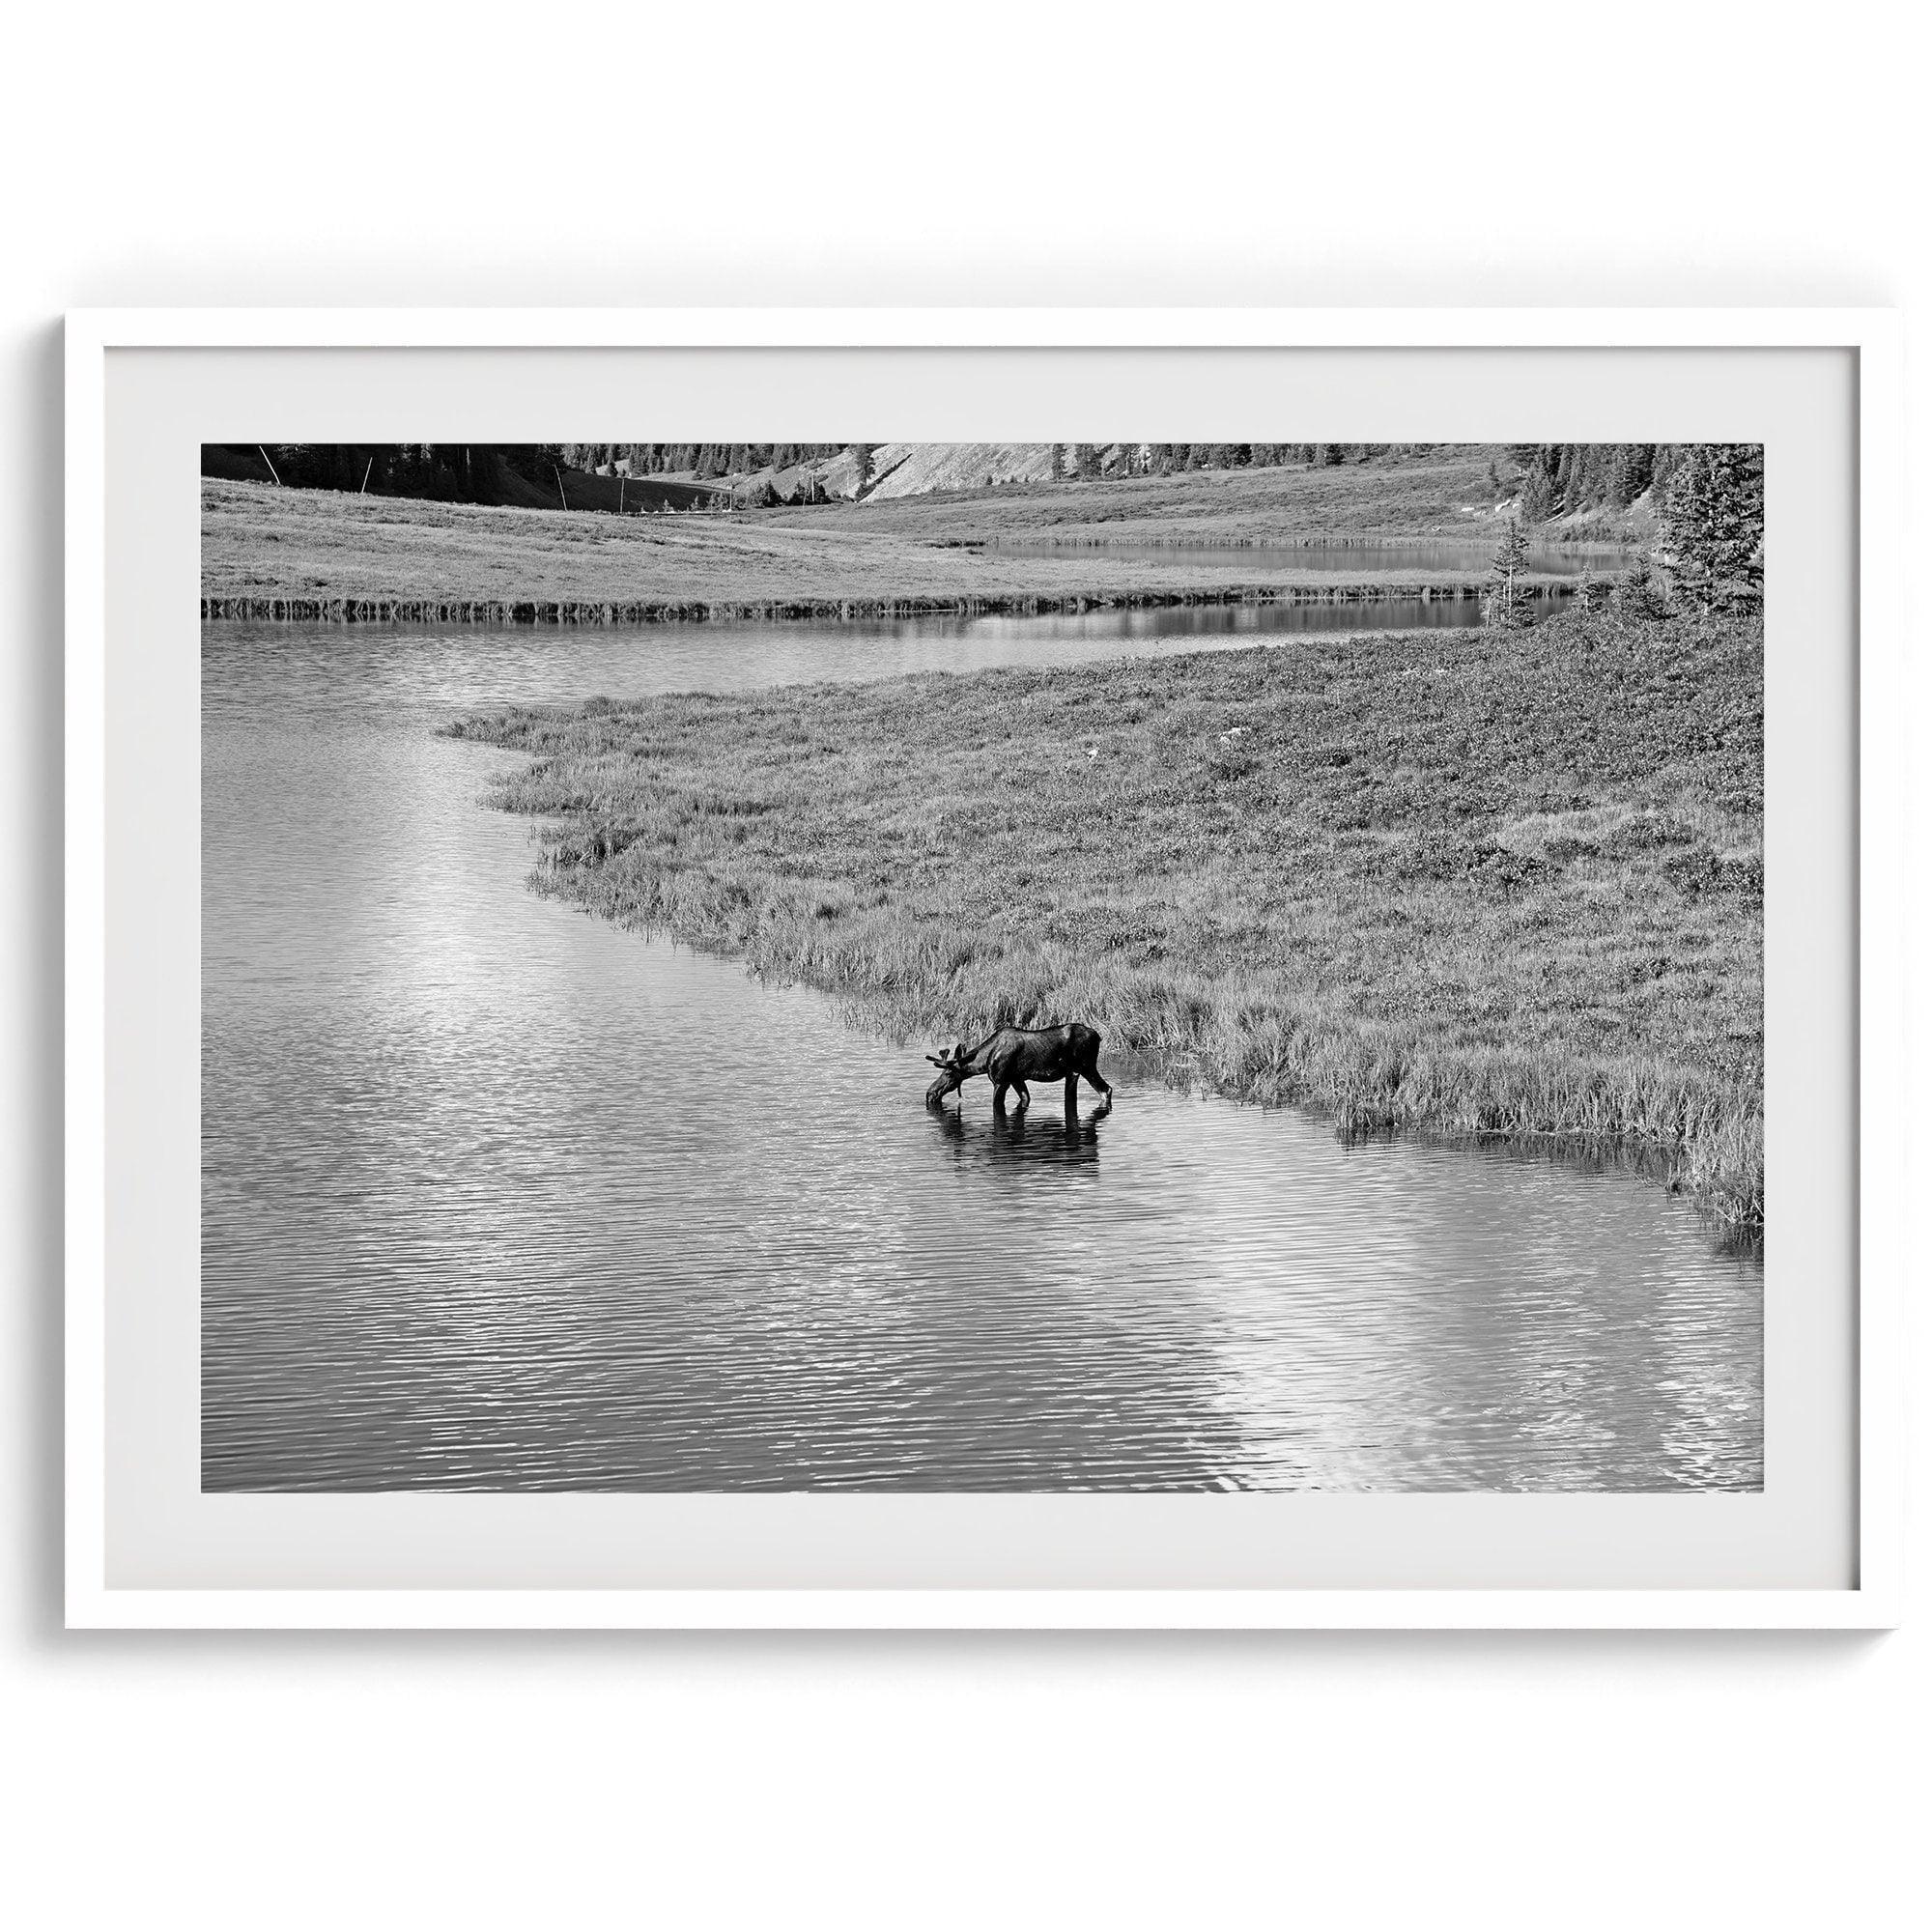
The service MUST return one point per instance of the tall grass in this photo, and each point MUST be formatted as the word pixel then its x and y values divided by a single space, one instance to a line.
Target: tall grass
pixel 1494 883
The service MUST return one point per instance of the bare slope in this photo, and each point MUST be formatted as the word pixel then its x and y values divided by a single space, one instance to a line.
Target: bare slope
pixel 918 469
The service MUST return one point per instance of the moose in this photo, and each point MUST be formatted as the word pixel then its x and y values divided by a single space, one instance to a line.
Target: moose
pixel 1016 1055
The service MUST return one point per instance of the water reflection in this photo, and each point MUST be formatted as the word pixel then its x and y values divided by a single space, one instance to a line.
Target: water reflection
pixel 1054 1135
pixel 495 1196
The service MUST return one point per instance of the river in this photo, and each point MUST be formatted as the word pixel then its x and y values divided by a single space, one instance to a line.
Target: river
pixel 498 1197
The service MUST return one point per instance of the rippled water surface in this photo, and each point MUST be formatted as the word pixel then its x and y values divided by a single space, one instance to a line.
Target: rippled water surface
pixel 495 1196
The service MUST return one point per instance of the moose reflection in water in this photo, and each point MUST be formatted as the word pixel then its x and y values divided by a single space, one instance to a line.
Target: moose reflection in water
pixel 1021 1140
pixel 1016 1055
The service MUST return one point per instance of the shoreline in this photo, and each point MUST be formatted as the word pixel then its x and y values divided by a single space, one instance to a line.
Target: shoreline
pixel 1281 878
pixel 1666 1160
pixel 1662 1161
pixel 323 608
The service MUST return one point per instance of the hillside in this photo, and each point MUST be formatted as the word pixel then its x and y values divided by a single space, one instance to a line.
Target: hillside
pixel 970 493
pixel 476 473
pixel 1440 490
pixel 901 470
pixel 296 553
pixel 940 492
pixel 904 470
pixel 919 469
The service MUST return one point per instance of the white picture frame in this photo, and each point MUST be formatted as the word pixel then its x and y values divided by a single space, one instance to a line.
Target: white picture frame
pixel 1870 1599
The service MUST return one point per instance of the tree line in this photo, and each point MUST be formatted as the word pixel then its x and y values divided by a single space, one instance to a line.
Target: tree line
pixel 479 472
pixel 1546 481
pixel 475 472
pixel 445 473
pixel 697 459
pixel 1707 556
pixel 1167 459
pixel 1559 480
pixel 1078 459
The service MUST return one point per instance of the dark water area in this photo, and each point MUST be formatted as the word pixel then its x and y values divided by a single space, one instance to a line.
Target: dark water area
pixel 497 1196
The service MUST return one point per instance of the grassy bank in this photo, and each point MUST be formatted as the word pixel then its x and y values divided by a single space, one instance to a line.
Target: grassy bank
pixel 1487 883
pixel 268 553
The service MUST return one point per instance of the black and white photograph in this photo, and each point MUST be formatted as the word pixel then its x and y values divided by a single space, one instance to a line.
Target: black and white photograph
pixel 968 969
pixel 981 967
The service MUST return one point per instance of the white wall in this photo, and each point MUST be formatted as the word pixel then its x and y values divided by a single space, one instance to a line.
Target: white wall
pixel 588 153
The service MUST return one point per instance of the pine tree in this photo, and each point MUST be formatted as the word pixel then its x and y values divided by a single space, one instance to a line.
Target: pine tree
pixel 1637 594
pixel 1567 492
pixel 1630 472
pixel 1506 608
pixel 1711 527
pixel 1056 460
pixel 1537 496
pixel 862 457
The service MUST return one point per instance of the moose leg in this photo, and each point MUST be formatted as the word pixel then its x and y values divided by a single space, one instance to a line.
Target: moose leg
pixel 998 1096
pixel 1026 1099
pixel 1074 1093
pixel 1091 1073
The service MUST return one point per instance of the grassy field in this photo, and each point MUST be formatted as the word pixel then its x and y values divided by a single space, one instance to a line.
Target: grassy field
pixel 300 552
pixel 937 490
pixel 1472 882
pixel 1444 491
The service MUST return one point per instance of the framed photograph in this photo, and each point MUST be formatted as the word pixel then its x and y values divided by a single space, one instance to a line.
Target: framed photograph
pixel 1242 974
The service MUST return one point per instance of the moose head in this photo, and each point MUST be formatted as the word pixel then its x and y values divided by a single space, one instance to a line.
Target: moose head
pixel 954 1065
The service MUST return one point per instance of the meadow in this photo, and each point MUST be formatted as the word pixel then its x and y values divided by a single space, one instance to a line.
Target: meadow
pixel 1438 491
pixel 1498 883
pixel 318 553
